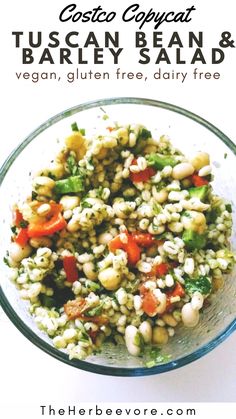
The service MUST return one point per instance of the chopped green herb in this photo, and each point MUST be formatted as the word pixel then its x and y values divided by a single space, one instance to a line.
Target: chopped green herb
pixel 34 195
pixel 92 286
pixel 82 131
pixel 74 127
pixel 201 284
pixel 157 208
pixel 228 208
pixel 47 301
pixel 95 311
pixel 212 215
pixel 153 356
pixel 144 134
pixel 85 204
pixel 23 224
pixel 142 137
pixel 5 260
pixel 72 165
pixel 14 229
pixel 225 156
pixel 139 341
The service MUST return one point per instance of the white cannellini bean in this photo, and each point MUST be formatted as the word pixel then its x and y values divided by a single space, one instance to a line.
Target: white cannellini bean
pixel 205 171
pixel 69 202
pixel 110 278
pixel 182 170
pixel 130 340
pixel 200 160
pixel 146 331
pixel 189 266
pixel 190 316
pixel 197 300
pixel 17 252
pixel 89 271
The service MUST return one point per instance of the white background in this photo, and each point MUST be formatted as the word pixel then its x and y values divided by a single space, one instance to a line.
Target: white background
pixel 27 374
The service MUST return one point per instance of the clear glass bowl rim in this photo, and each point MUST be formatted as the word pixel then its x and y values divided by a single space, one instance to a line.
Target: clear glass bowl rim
pixel 35 339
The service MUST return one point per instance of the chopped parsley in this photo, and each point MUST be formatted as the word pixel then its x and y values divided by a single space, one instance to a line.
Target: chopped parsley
pixel 153 357
pixel 201 284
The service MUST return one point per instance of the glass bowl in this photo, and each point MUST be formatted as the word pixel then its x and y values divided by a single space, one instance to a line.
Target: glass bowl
pixel 188 132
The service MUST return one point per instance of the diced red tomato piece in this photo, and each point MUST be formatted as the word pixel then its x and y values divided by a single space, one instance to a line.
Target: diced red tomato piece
pixel 131 248
pixel 161 269
pixel 143 175
pixel 150 304
pixel 17 217
pixel 178 291
pixel 22 237
pixel 198 180
pixel 71 270
pixel 115 244
pixel 55 223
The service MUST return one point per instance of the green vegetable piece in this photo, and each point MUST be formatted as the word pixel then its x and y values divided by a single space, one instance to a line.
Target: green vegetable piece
pixel 139 341
pixel 201 284
pixel 193 240
pixel 74 127
pixel 71 184
pixel 212 215
pixel 200 192
pixel 160 161
pixel 92 286
pixel 72 165
pixel 95 311
pixel 228 208
pixel 47 301
pixel 142 138
pixel 85 204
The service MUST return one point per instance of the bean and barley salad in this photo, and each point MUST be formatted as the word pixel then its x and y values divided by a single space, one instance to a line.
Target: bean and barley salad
pixel 122 241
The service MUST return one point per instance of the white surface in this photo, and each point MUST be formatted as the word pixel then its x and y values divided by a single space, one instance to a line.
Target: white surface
pixel 28 374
